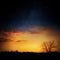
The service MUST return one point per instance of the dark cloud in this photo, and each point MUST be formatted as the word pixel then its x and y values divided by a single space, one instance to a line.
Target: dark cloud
pixel 5 40
pixel 21 40
pixel 18 41
pixel 4 36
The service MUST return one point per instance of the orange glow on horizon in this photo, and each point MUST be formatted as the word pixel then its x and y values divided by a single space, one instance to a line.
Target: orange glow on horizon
pixel 27 41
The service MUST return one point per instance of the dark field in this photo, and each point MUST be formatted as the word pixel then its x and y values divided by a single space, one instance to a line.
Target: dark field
pixel 29 56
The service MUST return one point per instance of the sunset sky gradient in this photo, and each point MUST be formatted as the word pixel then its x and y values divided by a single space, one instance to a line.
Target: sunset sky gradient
pixel 25 26
pixel 27 41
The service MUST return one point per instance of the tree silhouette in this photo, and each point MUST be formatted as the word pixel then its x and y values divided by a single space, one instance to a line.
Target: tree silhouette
pixel 48 46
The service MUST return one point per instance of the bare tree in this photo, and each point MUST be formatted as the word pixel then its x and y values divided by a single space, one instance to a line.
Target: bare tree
pixel 48 46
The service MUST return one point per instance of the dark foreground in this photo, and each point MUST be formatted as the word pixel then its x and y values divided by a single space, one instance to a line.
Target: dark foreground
pixel 29 56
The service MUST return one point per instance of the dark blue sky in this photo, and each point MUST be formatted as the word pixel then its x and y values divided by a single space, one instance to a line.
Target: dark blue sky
pixel 29 13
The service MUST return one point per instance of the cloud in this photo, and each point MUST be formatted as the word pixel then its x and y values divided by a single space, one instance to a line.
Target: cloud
pixel 21 40
pixel 18 41
pixel 5 40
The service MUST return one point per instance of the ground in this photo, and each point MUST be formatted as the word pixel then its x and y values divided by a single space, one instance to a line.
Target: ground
pixel 29 55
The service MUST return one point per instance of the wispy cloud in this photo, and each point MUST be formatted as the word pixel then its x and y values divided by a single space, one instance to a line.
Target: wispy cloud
pixel 5 40
pixel 21 40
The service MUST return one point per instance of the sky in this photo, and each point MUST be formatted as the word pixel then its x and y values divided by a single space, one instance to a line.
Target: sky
pixel 42 13
pixel 27 20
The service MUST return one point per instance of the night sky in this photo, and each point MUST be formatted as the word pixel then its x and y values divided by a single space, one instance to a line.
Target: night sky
pixel 29 13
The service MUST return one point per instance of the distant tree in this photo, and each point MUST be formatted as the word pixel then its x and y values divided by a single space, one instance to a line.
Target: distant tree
pixel 16 50
pixel 48 46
